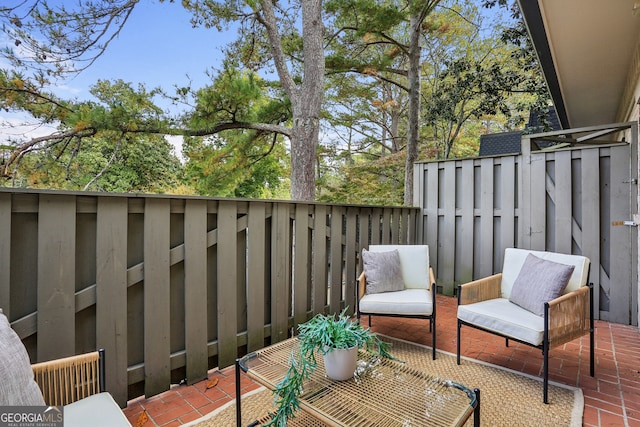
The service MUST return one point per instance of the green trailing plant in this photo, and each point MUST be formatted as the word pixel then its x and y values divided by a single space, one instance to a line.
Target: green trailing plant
pixel 321 334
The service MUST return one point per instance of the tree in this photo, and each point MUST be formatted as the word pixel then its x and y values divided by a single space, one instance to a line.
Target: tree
pixel 79 36
pixel 420 9
pixel 456 106
pixel 236 162
pixel 96 146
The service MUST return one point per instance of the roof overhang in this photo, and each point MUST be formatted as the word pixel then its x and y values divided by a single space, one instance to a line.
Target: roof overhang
pixel 587 50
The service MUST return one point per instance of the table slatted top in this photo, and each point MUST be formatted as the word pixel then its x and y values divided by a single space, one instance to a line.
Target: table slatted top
pixel 382 392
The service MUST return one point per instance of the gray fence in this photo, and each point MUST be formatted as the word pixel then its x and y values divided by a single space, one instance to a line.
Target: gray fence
pixel 571 200
pixel 173 286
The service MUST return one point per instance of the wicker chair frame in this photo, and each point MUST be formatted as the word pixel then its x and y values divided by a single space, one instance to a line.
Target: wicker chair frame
pixel 67 380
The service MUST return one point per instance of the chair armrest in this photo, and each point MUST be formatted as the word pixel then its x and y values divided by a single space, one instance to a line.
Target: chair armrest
pixel 70 379
pixel 480 290
pixel 569 316
pixel 362 285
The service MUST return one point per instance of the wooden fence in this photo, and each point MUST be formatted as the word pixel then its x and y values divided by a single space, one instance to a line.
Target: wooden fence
pixel 570 200
pixel 173 286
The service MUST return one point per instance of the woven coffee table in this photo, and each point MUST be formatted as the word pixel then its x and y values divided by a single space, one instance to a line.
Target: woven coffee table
pixel 382 392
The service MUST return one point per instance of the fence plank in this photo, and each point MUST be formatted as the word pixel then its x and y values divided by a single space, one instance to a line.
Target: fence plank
pixel 524 195
pixel 5 254
pixel 376 217
pixel 446 265
pixel 335 290
pixel 487 213
pixel 431 237
pixel 563 203
pixel 620 294
pixel 157 372
pixel 364 224
pixel 590 199
pixel 467 197
pixel 227 283
pixel 56 276
pixel 195 289
pixel 538 203
pixel 507 205
pixel 351 251
pixel 301 263
pixel 256 276
pixel 280 272
pixel 319 259
pixel 386 227
pixel 111 292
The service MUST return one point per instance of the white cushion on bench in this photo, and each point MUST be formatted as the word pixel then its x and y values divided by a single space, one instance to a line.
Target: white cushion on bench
pixel 407 302
pixel 98 410
pixel 503 317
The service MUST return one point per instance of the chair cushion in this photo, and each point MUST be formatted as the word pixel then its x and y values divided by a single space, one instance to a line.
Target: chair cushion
pixel 100 409
pixel 514 259
pixel 503 317
pixel 539 281
pixel 411 302
pixel 17 386
pixel 414 261
pixel 382 270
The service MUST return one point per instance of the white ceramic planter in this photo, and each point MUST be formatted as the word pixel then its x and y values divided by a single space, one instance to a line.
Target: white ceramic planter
pixel 340 364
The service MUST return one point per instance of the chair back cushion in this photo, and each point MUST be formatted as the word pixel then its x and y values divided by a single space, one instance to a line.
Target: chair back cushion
pixel 514 260
pixel 17 386
pixel 414 263
pixel 540 281
pixel 383 271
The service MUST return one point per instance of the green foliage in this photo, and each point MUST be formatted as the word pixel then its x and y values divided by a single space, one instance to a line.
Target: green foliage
pixel 236 162
pixel 134 164
pixel 366 181
pixel 320 334
pixel 241 166
pixel 474 80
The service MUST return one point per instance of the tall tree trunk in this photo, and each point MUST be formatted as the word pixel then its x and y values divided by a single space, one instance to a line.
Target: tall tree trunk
pixel 306 99
pixel 414 104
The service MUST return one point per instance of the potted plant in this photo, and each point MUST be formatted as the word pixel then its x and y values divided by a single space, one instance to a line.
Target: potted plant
pixel 327 335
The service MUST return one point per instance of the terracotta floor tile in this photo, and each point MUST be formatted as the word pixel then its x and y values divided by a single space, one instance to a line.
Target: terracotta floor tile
pixel 617 373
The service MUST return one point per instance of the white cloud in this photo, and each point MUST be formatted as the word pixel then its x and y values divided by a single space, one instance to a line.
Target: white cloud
pixel 176 141
pixel 17 127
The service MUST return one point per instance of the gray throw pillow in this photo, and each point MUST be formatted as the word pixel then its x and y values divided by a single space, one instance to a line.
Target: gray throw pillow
pixel 539 281
pixel 17 386
pixel 382 271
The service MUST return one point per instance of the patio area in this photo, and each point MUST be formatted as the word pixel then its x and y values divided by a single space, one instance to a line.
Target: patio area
pixel 612 398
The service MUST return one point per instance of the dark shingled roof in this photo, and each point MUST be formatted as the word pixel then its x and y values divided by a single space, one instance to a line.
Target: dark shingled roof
pixel 498 144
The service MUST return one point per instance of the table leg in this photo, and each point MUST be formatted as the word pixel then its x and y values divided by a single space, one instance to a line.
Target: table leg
pixel 476 411
pixel 238 397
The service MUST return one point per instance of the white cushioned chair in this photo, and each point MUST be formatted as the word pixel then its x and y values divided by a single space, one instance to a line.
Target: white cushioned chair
pixel 75 382
pixel 397 281
pixel 542 299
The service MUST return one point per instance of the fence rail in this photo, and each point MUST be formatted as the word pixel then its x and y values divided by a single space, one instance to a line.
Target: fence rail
pixel 172 286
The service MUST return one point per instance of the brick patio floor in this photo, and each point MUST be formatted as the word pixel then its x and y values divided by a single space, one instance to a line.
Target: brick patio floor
pixel 612 398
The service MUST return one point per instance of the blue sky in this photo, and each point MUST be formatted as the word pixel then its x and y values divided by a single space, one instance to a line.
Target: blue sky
pixel 157 47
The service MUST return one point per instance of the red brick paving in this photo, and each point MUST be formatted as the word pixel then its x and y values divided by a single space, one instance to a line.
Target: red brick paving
pixel 612 398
